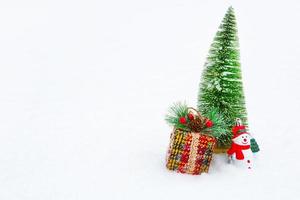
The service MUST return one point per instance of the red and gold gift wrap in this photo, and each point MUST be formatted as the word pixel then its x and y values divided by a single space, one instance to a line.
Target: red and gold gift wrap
pixel 190 152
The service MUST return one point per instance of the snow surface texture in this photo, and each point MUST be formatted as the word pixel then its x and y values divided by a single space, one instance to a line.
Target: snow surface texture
pixel 85 86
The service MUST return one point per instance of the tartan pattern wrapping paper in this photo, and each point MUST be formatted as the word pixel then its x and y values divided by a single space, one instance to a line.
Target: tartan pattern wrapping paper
pixel 190 152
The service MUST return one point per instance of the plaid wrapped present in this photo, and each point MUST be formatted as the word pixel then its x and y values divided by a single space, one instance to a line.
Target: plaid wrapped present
pixel 190 152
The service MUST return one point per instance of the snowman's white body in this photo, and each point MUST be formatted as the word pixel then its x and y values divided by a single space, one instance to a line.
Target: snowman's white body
pixel 244 140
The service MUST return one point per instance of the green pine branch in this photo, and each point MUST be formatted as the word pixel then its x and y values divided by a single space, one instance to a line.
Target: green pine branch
pixel 218 129
pixel 176 111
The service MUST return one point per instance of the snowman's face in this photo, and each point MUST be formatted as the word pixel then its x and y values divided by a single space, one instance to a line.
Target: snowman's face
pixel 243 139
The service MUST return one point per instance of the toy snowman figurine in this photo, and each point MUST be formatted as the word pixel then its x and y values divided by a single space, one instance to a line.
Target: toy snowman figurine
pixel 240 152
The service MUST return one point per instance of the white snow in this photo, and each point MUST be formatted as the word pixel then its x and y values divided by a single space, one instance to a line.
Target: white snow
pixel 226 73
pixel 84 86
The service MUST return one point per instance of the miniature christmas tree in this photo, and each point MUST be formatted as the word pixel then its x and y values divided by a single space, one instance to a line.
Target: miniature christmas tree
pixel 254 146
pixel 221 86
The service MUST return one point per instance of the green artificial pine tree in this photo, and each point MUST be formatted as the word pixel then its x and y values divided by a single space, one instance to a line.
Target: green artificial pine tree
pixel 221 85
pixel 254 146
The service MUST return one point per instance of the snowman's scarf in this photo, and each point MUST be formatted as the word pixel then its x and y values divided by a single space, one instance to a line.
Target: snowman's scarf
pixel 237 149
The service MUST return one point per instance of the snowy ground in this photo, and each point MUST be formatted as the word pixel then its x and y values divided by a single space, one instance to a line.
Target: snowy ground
pixel 84 86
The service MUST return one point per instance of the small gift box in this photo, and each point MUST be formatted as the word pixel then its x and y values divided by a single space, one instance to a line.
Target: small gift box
pixel 190 152
pixel 193 139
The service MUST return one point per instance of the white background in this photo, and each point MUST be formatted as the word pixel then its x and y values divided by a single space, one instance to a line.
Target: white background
pixel 85 85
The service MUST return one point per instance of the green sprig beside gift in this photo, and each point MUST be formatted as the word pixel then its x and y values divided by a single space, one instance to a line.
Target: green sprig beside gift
pixel 180 116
